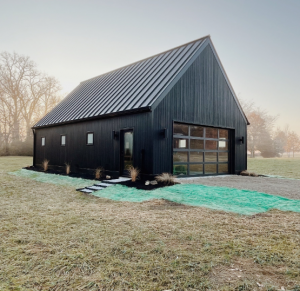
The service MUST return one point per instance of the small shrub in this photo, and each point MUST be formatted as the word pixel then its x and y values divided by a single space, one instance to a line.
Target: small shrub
pixel 68 168
pixel 166 178
pixel 245 173
pixel 98 173
pixel 252 174
pixel 45 164
pixel 133 173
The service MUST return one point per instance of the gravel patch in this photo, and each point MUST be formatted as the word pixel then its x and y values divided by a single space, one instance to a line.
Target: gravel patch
pixel 275 186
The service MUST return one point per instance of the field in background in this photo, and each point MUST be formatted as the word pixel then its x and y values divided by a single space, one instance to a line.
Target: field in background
pixel 54 238
pixel 286 167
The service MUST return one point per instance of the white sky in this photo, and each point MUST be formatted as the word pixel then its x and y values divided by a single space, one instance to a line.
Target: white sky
pixel 258 41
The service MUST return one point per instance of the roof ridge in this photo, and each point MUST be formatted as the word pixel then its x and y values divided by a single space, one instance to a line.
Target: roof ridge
pixel 185 44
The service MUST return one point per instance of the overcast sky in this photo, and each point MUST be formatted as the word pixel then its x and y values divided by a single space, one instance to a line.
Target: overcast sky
pixel 258 41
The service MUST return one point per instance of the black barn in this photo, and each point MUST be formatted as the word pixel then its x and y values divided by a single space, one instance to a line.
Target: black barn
pixel 173 112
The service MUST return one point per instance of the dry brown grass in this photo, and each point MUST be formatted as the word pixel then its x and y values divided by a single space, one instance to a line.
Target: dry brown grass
pixel 166 178
pixel 68 168
pixel 72 241
pixel 286 167
pixel 45 164
pixel 133 173
pixel 98 173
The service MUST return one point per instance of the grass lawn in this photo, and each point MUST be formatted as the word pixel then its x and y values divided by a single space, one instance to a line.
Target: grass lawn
pixel 286 167
pixel 54 238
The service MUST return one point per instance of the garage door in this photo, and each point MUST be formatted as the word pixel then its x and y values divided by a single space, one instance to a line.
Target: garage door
pixel 199 150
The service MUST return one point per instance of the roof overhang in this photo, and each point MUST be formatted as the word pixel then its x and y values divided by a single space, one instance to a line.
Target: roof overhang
pixel 105 116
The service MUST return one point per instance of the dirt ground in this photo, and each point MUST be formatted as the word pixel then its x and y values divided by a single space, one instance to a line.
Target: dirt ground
pixel 282 187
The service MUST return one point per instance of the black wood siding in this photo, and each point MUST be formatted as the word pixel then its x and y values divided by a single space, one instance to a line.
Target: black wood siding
pixel 201 96
pixel 105 152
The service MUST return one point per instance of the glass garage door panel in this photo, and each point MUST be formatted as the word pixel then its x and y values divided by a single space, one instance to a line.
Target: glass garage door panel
pixel 196 169
pixel 196 157
pixel 196 144
pixel 180 143
pixel 180 170
pixel 199 150
pixel 180 157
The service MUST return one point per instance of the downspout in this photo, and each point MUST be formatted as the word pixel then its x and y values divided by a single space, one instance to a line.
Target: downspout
pixel 34 139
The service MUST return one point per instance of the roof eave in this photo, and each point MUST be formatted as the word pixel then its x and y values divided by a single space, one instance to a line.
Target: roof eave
pixel 109 115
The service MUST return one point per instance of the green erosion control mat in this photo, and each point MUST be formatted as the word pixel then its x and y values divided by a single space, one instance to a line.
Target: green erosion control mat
pixel 53 178
pixel 220 198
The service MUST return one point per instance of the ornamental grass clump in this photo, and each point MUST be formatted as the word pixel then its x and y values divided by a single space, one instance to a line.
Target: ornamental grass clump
pixel 166 178
pixel 45 164
pixel 133 173
pixel 68 168
pixel 98 173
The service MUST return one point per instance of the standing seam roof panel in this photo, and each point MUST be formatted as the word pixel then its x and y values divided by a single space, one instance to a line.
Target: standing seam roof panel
pixel 137 85
pixel 94 95
pixel 53 115
pixel 107 96
pixel 135 82
pixel 86 96
pixel 148 63
pixel 134 86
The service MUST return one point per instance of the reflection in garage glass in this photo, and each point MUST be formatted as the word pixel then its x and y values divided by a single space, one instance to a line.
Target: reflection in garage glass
pixel 199 150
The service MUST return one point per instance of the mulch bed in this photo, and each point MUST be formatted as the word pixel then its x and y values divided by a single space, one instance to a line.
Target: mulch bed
pixel 140 184
pixel 56 172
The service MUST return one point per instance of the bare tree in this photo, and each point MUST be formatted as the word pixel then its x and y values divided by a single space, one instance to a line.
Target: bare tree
pixel 25 96
pixel 5 126
pixel 260 130
pixel 280 139
pixel 39 98
pixel 14 71
pixel 293 143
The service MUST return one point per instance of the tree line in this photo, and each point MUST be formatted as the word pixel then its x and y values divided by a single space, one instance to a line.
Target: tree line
pixel 26 95
pixel 264 137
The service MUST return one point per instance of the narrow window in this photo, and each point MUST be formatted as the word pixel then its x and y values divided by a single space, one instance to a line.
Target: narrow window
pixel 90 138
pixel 43 141
pixel 62 140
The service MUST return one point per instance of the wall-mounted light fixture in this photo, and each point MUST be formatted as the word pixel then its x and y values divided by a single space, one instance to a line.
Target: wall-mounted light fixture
pixel 115 134
pixel 164 133
pixel 242 140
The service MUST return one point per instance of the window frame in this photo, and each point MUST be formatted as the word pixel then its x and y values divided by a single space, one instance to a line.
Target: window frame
pixel 86 139
pixel 43 137
pixel 63 145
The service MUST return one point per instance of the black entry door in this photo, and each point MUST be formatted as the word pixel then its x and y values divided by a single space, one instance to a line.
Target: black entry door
pixel 126 150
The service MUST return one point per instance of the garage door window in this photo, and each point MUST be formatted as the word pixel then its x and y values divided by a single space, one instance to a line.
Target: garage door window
pixel 199 150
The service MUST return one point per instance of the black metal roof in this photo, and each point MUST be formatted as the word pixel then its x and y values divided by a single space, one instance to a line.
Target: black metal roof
pixel 131 88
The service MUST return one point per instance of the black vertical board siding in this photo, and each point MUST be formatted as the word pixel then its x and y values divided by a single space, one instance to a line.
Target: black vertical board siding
pixel 201 96
pixel 105 152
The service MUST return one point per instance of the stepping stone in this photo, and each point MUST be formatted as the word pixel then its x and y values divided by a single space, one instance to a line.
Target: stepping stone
pixel 86 191
pixel 104 185
pixel 95 188
pixel 115 181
